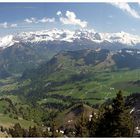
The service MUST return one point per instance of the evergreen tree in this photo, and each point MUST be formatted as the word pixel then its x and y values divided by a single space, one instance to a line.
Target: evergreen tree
pixel 53 129
pixel 17 131
pixel 115 120
pixel 118 104
pixel 46 133
pixel 104 123
pixel 123 123
pixel 81 127
pixel 35 132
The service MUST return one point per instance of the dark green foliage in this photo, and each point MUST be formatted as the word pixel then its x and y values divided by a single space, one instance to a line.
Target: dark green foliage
pixel 104 124
pixel 45 133
pixel 11 107
pixel 118 104
pixel 112 119
pixel 35 132
pixel 115 120
pixel 16 131
pixel 53 129
pixel 69 132
pixel 81 127
pixel 48 117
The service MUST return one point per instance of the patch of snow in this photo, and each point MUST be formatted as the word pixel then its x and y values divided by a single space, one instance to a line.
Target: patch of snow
pixel 69 36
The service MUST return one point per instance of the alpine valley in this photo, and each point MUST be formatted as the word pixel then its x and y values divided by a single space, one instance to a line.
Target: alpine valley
pixel 50 78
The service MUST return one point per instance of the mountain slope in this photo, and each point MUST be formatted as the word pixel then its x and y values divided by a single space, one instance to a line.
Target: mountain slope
pixel 29 49
pixel 70 61
pixel 18 57
pixel 82 74
pixel 84 36
pixel 86 60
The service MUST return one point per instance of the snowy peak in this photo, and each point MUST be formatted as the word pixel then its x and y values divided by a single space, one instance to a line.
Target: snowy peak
pixel 7 41
pixel 69 36
pixel 123 37
pixel 47 35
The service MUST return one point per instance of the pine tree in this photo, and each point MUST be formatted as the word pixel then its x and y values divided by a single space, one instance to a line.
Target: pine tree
pixel 46 133
pixel 17 131
pixel 118 103
pixel 81 127
pixel 104 123
pixel 115 120
pixel 35 132
pixel 123 123
pixel 53 129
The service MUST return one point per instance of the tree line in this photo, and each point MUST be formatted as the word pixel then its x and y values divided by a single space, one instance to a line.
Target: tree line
pixel 111 120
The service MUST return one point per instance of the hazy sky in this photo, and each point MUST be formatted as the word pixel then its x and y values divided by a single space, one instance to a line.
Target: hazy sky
pixel 102 17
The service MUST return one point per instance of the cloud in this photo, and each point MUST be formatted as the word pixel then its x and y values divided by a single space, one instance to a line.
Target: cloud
pixel 35 20
pixel 30 20
pixel 13 25
pixel 72 20
pixel 59 13
pixel 126 8
pixel 6 25
pixel 45 20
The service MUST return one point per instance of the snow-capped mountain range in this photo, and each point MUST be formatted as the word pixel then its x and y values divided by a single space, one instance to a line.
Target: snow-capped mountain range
pixel 69 36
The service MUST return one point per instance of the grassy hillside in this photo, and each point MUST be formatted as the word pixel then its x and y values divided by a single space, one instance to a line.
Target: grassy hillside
pixel 67 80
pixel 89 75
